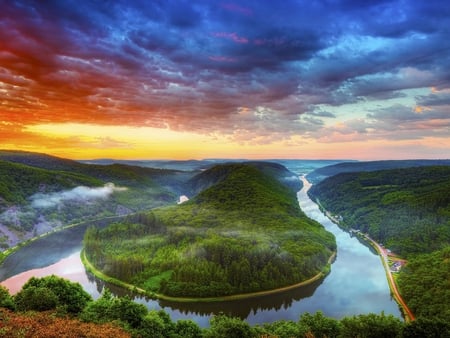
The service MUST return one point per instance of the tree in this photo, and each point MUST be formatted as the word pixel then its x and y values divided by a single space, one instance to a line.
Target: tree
pixel 36 299
pixel 284 329
pixel 427 328
pixel 109 308
pixel 152 326
pixel 70 296
pixel 228 327
pixel 371 326
pixel 6 300
pixel 187 329
pixel 98 311
pixel 319 325
pixel 127 311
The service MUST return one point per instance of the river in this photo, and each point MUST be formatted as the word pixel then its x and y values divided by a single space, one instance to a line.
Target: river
pixel 356 284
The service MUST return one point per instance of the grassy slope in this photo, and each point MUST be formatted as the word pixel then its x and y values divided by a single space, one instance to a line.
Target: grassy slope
pixel 116 173
pixel 244 233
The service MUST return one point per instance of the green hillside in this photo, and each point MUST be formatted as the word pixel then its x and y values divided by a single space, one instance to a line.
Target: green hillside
pixel 148 187
pixel 425 284
pixel 408 210
pixel 243 233
pixel 17 181
pixel 115 173
pixel 39 192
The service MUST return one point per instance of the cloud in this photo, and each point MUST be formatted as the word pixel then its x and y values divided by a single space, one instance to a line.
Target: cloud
pixel 396 122
pixel 190 65
pixel 78 194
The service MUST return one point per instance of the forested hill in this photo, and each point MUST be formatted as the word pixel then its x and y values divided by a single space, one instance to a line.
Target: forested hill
pixel 116 173
pixel 218 173
pixel 321 173
pixel 18 181
pixel 408 210
pixel 39 192
pixel 243 233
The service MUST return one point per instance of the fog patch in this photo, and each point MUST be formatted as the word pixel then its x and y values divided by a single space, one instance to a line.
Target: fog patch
pixel 78 194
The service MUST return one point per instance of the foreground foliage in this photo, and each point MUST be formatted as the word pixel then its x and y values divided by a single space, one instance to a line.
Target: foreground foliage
pixel 111 316
pixel 47 325
pixel 242 234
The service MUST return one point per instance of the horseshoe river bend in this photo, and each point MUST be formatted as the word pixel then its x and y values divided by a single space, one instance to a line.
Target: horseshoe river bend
pixel 357 282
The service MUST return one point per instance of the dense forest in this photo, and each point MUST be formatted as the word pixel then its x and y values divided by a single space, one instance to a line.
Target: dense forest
pixel 408 210
pixel 53 307
pixel 243 233
pixel 39 193
pixel 425 284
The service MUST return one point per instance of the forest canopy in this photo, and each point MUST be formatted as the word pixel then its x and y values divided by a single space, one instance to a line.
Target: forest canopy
pixel 243 233
pixel 408 210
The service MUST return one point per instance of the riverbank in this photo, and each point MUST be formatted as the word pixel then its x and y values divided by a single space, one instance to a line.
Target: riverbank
pixel 407 313
pixel 99 274
pixel 324 295
pixel 11 250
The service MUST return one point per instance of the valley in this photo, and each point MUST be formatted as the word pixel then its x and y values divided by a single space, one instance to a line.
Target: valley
pixel 209 192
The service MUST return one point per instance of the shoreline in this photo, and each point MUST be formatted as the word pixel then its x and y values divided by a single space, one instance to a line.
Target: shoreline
pixel 9 251
pixel 407 313
pixel 99 274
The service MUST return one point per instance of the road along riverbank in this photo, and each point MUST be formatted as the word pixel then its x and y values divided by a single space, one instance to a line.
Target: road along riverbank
pixel 407 313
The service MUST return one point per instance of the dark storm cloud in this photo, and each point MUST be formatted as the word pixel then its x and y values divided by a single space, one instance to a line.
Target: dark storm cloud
pixel 194 64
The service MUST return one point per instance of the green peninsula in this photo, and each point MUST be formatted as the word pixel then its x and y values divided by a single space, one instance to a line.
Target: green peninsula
pixel 243 232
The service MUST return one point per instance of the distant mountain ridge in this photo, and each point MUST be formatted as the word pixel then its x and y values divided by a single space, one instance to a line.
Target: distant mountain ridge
pixel 346 167
pixel 19 181
pixel 113 172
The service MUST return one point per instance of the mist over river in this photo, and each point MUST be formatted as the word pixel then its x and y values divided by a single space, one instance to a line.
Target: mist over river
pixel 356 284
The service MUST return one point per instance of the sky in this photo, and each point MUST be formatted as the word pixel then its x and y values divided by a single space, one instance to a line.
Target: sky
pixel 175 79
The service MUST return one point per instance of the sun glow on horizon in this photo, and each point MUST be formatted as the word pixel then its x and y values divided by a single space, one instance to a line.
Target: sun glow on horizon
pixel 90 141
